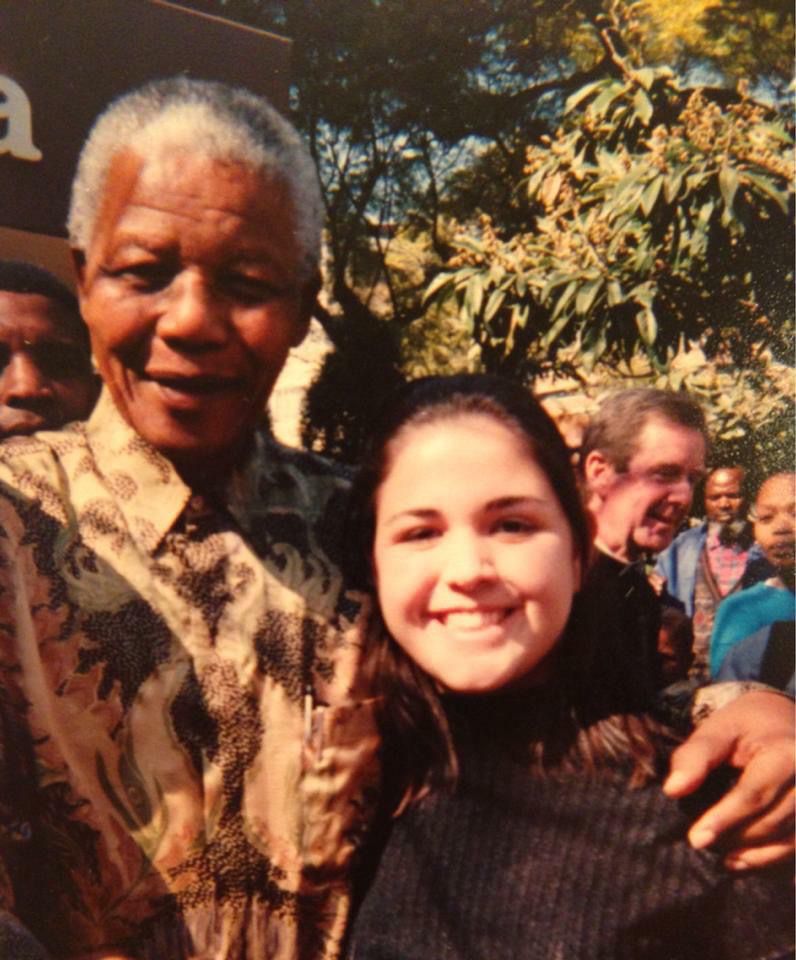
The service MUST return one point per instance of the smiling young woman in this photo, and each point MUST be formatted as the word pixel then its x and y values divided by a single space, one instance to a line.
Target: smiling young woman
pixel 525 816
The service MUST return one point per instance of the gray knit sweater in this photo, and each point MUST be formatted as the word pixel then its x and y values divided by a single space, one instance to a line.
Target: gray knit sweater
pixel 515 866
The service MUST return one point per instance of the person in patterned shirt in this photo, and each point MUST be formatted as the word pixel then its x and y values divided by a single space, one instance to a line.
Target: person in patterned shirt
pixel 186 765
pixel 188 760
pixel 708 562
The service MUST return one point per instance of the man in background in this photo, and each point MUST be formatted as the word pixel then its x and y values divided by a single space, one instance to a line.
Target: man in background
pixel 46 377
pixel 708 562
pixel 642 455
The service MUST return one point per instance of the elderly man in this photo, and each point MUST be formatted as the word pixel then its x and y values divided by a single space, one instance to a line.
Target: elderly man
pixel 708 562
pixel 46 377
pixel 187 762
pixel 642 454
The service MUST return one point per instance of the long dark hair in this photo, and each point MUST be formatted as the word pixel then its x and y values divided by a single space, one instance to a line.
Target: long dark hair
pixel 592 713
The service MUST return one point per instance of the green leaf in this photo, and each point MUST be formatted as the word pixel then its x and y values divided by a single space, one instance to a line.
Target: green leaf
pixel 439 283
pixel 642 106
pixel 580 95
pixel 593 347
pixel 535 179
pixel 705 213
pixel 493 304
pixel 645 76
pixel 764 185
pixel 555 280
pixel 586 295
pixel 564 299
pixel 614 293
pixel 554 331
pixel 778 132
pixel 671 186
pixel 647 325
pixel 468 243
pixel 728 184
pixel 550 188
pixel 607 97
pixel 650 195
pixel 474 295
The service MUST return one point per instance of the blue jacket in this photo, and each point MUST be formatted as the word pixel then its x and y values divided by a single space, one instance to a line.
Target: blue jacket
pixel 742 614
pixel 678 563
pixel 745 660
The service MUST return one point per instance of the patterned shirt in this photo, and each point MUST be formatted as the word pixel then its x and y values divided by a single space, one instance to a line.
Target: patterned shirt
pixel 186 765
pixel 727 562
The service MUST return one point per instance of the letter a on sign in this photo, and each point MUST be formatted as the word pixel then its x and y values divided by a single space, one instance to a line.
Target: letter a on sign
pixel 15 110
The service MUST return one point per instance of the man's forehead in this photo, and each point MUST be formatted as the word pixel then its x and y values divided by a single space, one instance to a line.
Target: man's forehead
pixel 37 316
pixel 725 480
pixel 665 440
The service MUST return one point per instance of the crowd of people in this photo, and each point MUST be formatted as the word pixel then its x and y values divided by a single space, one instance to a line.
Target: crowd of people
pixel 250 711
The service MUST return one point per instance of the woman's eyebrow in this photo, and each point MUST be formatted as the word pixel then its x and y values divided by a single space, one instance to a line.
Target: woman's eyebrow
pixel 501 503
pixel 418 513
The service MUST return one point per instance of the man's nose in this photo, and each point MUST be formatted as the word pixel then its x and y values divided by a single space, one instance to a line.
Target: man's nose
pixel 23 384
pixel 681 492
pixel 193 315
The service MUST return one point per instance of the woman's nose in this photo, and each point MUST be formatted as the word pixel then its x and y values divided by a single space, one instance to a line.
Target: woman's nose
pixel 468 561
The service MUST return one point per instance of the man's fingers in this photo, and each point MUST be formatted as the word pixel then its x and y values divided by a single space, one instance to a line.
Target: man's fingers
pixel 763 793
pixel 752 858
pixel 776 824
pixel 692 761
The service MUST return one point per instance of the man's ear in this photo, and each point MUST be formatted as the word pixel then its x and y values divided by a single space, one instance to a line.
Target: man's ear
pixel 307 301
pixel 79 263
pixel 598 472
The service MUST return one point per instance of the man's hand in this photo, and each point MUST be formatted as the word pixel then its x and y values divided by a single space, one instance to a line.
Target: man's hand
pixel 755 818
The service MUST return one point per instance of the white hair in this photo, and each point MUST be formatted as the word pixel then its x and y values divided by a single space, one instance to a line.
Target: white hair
pixel 212 119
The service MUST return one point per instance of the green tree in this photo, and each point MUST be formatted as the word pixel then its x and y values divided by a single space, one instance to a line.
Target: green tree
pixel 656 214
pixel 421 116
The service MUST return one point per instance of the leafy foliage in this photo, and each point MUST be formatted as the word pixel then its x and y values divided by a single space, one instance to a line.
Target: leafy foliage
pixel 656 215
pixel 660 215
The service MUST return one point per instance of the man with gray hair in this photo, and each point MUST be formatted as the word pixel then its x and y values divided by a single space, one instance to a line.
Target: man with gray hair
pixel 186 762
pixel 642 455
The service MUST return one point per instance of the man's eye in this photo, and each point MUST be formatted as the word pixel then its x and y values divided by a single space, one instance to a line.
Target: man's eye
pixel 249 289
pixel 149 277
pixel 59 361
pixel 666 474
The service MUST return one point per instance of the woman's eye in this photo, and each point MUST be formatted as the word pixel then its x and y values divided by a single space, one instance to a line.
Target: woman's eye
pixel 417 534
pixel 514 525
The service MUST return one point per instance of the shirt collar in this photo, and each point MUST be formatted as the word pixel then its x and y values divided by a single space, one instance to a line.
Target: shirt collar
pixel 145 486
pixel 157 496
